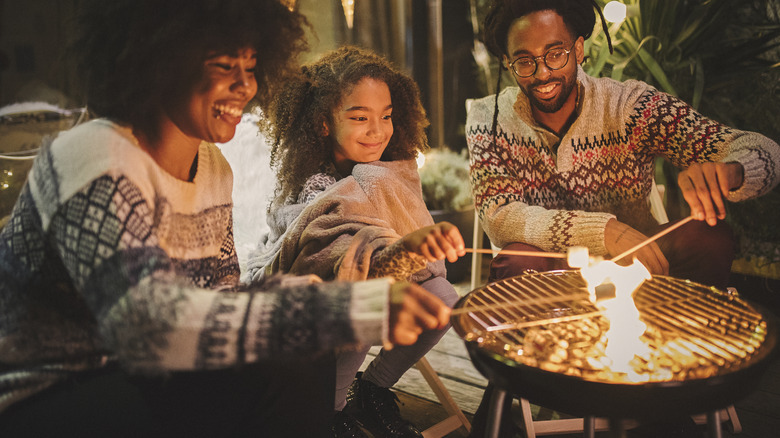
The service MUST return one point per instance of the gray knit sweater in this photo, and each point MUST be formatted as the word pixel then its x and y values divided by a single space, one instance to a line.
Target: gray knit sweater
pixel 603 167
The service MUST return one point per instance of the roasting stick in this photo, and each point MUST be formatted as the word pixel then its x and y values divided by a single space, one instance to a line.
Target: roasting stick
pixel 552 255
pixel 653 238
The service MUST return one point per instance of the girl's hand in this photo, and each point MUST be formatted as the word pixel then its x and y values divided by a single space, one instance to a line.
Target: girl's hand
pixel 436 242
pixel 412 310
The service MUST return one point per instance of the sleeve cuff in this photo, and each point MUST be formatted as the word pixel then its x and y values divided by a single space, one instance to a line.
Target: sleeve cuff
pixel 369 311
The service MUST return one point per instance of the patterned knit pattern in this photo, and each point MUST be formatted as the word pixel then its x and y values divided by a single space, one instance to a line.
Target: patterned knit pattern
pixel 107 257
pixel 604 162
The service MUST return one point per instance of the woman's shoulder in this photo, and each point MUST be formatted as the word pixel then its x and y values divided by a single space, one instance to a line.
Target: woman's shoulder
pixel 95 145
pixel 91 149
pixel 101 148
pixel 95 132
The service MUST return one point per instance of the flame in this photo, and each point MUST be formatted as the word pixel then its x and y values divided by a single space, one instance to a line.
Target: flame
pixel 623 338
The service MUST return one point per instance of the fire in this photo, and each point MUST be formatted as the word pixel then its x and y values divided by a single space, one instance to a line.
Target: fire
pixel 623 338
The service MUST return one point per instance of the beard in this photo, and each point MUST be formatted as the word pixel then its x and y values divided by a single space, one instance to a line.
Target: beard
pixel 551 106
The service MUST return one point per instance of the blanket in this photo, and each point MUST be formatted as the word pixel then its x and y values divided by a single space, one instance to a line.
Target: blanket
pixel 335 234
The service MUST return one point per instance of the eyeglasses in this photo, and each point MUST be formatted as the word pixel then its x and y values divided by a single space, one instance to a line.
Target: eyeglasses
pixel 554 59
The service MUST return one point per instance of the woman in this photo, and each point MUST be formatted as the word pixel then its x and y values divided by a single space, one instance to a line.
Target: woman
pixel 349 206
pixel 120 315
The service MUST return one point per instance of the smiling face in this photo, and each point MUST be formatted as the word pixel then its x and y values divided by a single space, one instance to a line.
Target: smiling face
pixel 214 107
pixel 362 124
pixel 549 91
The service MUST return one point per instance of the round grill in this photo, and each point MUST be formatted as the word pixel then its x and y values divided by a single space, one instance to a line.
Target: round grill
pixel 541 337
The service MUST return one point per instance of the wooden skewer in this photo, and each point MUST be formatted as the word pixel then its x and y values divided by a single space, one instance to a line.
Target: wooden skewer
pixel 553 255
pixel 653 238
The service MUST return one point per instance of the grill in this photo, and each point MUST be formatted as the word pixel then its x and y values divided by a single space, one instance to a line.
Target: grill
pixel 540 337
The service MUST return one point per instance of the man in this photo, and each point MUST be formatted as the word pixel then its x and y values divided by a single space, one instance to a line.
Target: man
pixel 565 159
pixel 569 159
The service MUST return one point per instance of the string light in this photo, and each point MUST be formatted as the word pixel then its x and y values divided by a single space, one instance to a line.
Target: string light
pixel 349 11
pixel 290 4
pixel 615 11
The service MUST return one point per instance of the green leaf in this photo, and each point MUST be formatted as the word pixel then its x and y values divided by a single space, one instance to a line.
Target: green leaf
pixel 657 72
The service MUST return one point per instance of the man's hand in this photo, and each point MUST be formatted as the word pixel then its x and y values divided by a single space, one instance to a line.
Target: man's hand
pixel 619 237
pixel 412 310
pixel 705 185
pixel 436 242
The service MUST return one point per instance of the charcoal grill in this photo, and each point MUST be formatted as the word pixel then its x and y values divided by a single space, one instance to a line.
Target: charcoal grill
pixel 539 336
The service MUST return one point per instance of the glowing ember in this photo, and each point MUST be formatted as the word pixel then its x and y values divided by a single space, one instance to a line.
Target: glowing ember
pixel 625 328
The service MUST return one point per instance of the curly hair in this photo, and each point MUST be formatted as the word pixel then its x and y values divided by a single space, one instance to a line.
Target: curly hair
pixel 295 119
pixel 132 54
pixel 578 15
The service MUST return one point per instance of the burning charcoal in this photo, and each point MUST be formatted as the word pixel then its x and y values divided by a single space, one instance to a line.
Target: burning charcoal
pixel 559 355
pixel 552 367
pixel 595 363
pixel 690 334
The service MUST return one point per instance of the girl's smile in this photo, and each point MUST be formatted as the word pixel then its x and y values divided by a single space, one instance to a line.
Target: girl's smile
pixel 362 124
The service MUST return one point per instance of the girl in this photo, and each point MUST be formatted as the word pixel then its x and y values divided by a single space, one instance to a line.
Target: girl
pixel 345 138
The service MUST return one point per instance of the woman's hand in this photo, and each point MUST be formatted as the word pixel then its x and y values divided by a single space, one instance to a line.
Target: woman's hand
pixel 412 310
pixel 619 237
pixel 705 185
pixel 436 242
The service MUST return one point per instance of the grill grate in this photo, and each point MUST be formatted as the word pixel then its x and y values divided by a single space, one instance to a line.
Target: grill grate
pixel 546 320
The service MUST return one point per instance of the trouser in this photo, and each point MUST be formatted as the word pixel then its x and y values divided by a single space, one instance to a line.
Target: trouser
pixel 389 365
pixel 695 251
pixel 273 399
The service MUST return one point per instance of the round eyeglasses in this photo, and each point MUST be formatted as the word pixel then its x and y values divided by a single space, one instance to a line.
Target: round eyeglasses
pixel 554 59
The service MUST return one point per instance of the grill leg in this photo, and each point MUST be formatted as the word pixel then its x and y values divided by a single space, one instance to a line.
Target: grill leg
pixel 589 426
pixel 713 424
pixel 494 413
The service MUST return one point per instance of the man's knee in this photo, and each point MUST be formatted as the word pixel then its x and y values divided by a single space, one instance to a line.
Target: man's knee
pixel 716 240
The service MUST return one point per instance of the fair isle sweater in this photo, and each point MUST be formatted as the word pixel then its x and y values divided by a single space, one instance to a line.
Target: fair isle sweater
pixel 109 258
pixel 603 168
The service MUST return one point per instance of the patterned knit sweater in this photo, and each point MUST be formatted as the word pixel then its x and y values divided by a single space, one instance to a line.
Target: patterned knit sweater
pixel 603 168
pixel 108 257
